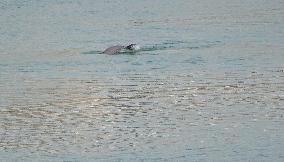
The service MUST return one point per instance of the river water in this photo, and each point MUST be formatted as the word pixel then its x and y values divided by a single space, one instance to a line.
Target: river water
pixel 207 85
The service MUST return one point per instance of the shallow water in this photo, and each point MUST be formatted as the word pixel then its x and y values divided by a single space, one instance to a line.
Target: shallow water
pixel 207 85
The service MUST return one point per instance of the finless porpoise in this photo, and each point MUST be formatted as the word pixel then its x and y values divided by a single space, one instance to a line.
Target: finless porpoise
pixel 118 49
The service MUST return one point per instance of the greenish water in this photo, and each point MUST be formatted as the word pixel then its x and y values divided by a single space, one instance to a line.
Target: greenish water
pixel 208 84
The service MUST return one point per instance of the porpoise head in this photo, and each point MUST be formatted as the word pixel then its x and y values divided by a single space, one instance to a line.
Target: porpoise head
pixel 132 47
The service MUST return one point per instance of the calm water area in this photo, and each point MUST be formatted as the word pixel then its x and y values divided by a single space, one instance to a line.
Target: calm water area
pixel 207 84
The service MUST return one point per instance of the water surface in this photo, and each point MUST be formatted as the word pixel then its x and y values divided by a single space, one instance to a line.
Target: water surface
pixel 208 84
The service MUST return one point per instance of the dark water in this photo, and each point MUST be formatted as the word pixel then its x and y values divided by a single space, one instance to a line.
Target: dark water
pixel 208 84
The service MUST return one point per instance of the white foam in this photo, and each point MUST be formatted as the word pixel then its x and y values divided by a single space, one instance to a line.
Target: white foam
pixel 136 47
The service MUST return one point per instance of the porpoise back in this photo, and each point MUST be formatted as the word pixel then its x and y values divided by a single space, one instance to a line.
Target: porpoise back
pixel 113 50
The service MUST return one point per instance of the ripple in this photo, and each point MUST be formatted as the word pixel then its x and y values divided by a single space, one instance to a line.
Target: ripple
pixel 168 45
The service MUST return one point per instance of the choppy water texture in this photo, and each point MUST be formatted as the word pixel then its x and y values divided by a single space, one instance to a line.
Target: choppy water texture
pixel 208 84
